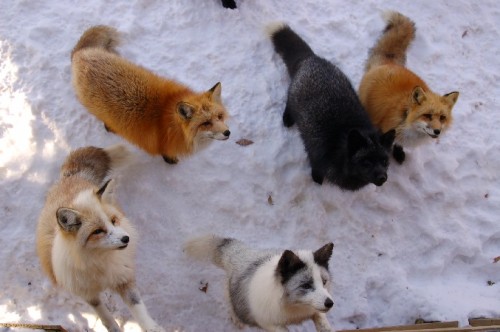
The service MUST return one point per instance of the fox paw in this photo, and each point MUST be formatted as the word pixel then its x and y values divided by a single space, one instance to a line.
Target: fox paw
pixel 236 321
pixel 109 130
pixel 398 153
pixel 288 120
pixel 317 177
pixel 229 4
pixel 171 161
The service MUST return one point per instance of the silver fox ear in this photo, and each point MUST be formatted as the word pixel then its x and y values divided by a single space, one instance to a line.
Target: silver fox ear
pixel 215 93
pixel 185 110
pixel 106 192
pixel 451 98
pixel 418 95
pixel 355 141
pixel 68 219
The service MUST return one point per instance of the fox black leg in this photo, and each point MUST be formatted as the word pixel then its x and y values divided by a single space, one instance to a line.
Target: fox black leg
pixel 231 4
pixel 398 153
pixel 169 160
pixel 288 120
pixel 317 176
pixel 109 130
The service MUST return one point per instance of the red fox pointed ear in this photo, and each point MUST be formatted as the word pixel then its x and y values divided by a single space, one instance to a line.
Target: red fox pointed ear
pixel 451 98
pixel 185 110
pixel 215 93
pixel 418 95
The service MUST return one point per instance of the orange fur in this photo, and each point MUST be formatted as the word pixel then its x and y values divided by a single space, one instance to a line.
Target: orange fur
pixel 394 96
pixel 161 116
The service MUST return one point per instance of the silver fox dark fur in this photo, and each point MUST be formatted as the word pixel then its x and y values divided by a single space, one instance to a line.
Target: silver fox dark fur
pixel 342 144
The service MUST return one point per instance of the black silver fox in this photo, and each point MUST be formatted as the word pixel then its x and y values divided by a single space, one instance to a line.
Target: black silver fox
pixel 342 144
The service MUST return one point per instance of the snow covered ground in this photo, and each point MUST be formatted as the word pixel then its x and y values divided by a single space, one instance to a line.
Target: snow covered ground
pixel 421 246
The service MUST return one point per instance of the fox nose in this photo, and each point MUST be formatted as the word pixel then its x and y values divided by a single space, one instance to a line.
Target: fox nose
pixel 437 132
pixel 328 303
pixel 380 180
pixel 125 239
pixel 227 133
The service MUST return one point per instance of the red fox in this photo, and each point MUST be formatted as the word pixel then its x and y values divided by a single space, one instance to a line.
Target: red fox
pixel 161 116
pixel 395 97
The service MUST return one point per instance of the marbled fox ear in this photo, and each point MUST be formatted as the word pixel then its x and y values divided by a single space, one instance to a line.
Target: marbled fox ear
pixel 288 265
pixel 323 254
pixel 68 219
pixel 451 98
pixel 215 93
pixel 106 192
pixel 387 139
pixel 418 95
pixel 185 110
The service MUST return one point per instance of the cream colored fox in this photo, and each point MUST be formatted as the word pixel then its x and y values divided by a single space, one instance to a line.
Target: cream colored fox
pixel 395 97
pixel 84 241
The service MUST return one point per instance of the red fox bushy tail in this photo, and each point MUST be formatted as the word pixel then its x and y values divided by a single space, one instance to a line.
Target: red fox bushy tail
pixel 100 36
pixel 391 47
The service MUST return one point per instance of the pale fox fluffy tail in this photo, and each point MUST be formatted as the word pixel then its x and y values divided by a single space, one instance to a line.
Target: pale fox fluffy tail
pixel 94 164
pixel 99 36
pixel 210 247
pixel 394 42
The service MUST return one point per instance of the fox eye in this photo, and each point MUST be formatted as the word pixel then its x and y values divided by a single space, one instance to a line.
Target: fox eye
pixel 428 116
pixel 324 281
pixel 206 123
pixel 442 118
pixel 220 117
pixel 98 231
pixel 306 285
pixel 367 164
pixel 114 220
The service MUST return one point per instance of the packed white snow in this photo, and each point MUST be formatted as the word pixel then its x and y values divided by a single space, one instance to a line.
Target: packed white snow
pixel 421 246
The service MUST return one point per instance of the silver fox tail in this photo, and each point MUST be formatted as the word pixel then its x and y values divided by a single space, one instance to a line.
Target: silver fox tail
pixel 290 46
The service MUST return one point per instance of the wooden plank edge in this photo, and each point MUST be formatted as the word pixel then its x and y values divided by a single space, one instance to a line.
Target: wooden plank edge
pixel 414 327
pixel 54 328
pixel 484 321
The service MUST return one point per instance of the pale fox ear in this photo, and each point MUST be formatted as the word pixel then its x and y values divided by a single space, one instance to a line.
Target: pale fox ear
pixel 215 93
pixel 323 254
pixel 418 95
pixel 107 191
pixel 451 98
pixel 288 265
pixel 185 110
pixel 68 219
